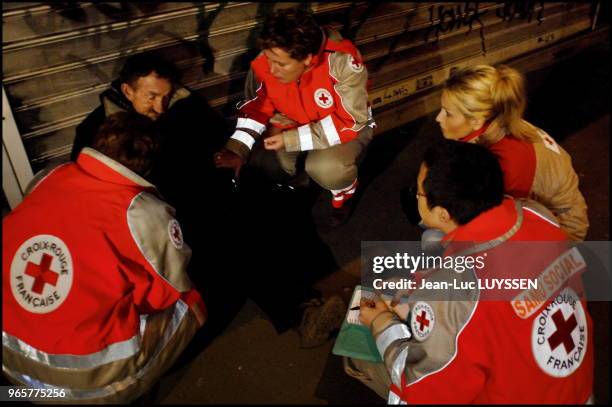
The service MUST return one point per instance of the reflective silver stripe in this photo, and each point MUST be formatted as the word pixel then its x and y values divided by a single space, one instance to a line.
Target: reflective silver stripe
pixel 143 324
pixel 541 216
pixel 390 335
pixel 305 135
pixel 330 131
pixel 395 399
pixel 399 365
pixel 244 137
pixel 180 310
pixel 244 122
pixel 348 190
pixel 114 352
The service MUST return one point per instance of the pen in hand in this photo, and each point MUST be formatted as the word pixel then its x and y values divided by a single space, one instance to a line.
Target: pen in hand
pixel 370 303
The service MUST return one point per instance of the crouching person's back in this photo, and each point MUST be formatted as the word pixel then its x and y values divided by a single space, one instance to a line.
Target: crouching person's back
pixel 96 300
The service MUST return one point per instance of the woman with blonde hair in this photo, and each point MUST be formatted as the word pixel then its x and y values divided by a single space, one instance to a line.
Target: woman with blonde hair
pixel 485 105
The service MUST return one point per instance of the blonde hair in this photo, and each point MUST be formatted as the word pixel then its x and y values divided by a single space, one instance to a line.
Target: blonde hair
pixel 491 93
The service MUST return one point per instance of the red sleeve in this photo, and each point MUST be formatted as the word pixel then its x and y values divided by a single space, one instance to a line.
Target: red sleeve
pixel 256 105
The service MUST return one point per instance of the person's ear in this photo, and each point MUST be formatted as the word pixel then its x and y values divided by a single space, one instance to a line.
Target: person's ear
pixel 308 60
pixel 475 123
pixel 441 215
pixel 128 91
pixel 444 215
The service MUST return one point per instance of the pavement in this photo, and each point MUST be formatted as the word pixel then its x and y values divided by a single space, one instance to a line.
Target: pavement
pixel 249 363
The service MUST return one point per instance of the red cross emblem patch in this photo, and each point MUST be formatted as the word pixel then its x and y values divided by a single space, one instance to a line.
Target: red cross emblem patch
pixel 354 65
pixel 175 233
pixel 422 320
pixel 41 274
pixel 323 98
pixel 548 141
pixel 559 335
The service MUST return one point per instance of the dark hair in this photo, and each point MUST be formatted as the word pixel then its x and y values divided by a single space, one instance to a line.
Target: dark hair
pixel 464 178
pixel 130 139
pixel 143 64
pixel 294 31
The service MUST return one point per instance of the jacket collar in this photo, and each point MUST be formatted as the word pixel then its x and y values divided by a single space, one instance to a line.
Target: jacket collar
pixel 107 169
pixel 496 223
pixel 113 100
pixel 490 133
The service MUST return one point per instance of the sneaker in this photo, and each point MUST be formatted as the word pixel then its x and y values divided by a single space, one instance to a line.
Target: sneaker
pixel 319 321
pixel 340 197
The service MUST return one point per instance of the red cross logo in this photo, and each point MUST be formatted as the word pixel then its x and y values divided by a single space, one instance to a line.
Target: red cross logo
pixel 42 273
pixel 323 98
pixel 422 320
pixel 548 141
pixel 563 335
pixel 355 63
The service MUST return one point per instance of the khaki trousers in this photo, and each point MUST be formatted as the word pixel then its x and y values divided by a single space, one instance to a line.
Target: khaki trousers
pixel 334 167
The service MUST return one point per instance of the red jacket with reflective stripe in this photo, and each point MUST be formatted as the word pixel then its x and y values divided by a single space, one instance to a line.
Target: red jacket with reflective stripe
pixel 79 239
pixel 298 101
pixel 497 347
pixel 328 105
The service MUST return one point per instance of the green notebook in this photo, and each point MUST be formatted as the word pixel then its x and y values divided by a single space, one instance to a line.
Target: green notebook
pixel 355 340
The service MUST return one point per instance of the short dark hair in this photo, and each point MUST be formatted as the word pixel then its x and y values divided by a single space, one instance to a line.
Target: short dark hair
pixel 143 64
pixel 129 138
pixel 464 178
pixel 293 30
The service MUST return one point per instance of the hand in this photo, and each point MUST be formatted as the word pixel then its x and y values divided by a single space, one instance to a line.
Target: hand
pixel 370 309
pixel 274 142
pixel 228 159
pixel 273 131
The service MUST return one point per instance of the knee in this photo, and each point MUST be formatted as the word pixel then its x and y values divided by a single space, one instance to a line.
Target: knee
pixel 331 174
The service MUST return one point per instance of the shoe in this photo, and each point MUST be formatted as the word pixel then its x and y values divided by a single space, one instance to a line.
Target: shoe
pixel 339 199
pixel 319 321
pixel 339 216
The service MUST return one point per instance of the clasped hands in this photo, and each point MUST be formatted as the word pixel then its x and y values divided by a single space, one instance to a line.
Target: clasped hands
pixel 274 140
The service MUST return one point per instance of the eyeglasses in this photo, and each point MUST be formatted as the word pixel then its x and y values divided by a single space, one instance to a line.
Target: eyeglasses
pixel 418 194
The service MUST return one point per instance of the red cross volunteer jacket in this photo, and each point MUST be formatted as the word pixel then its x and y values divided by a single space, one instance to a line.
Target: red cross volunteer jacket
pixel 96 300
pixel 541 170
pixel 327 106
pixel 516 344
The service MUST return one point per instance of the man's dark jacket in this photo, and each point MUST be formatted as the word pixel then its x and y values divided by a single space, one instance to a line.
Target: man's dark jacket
pixel 191 131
